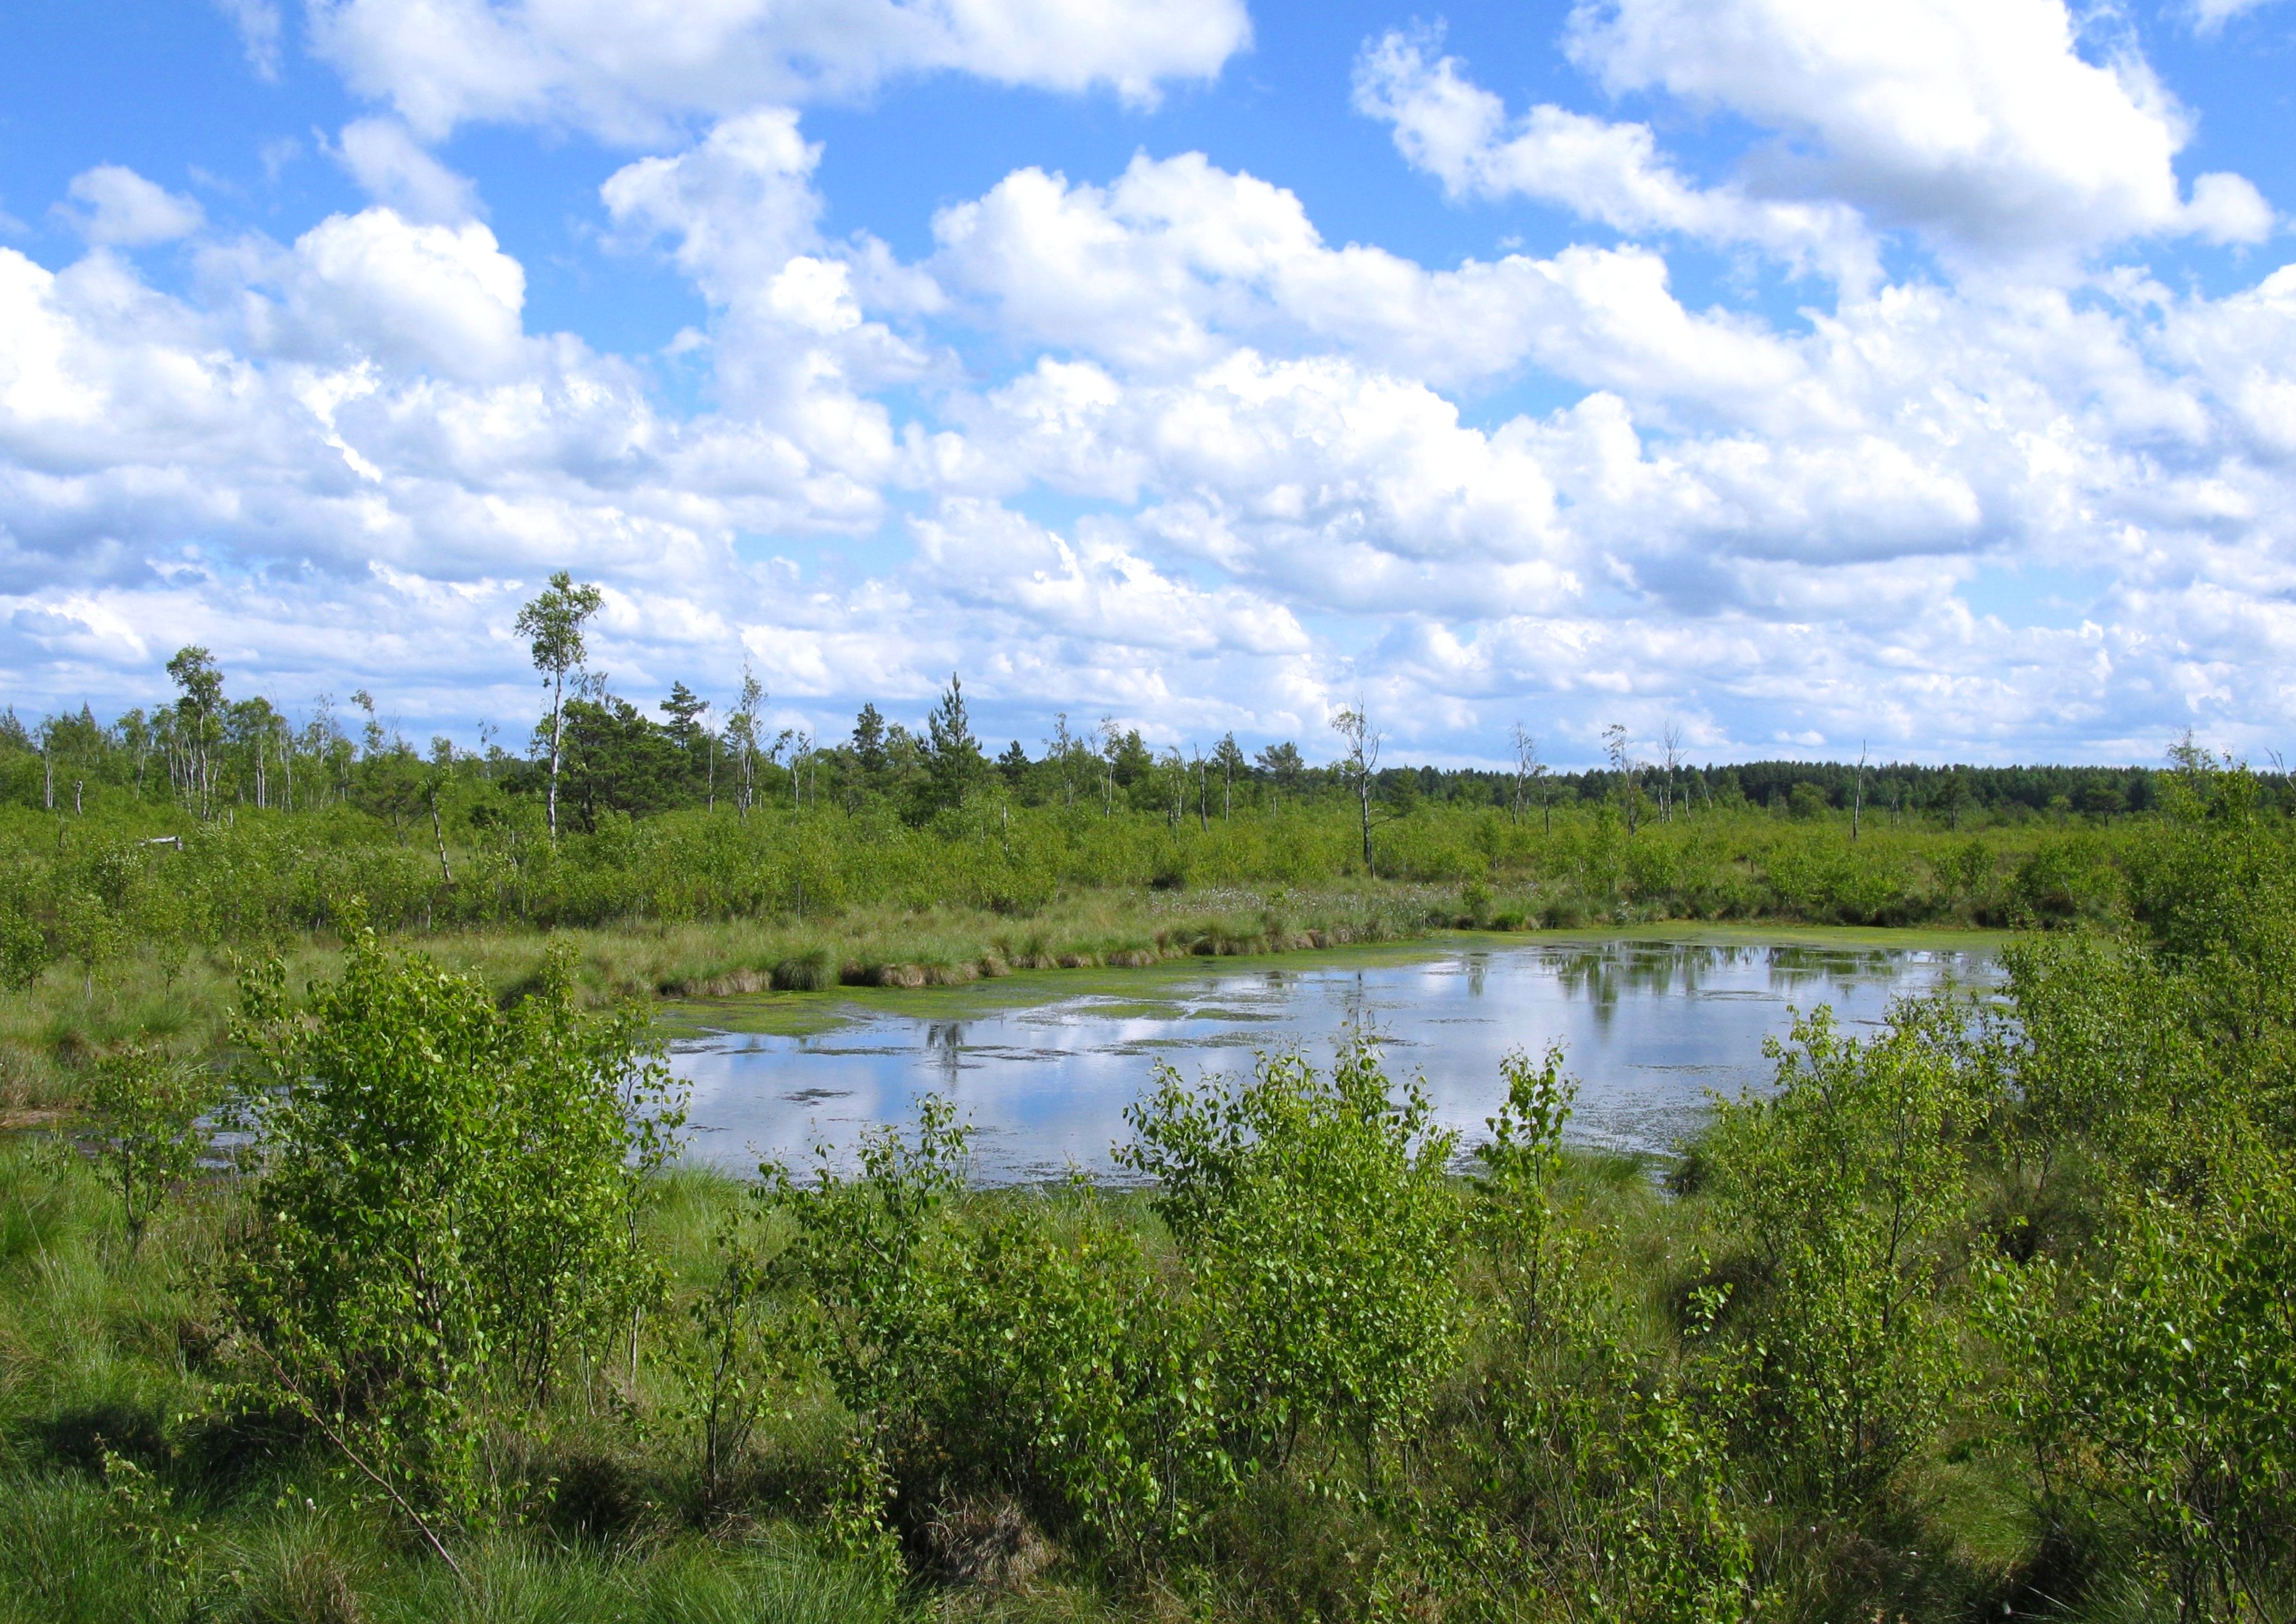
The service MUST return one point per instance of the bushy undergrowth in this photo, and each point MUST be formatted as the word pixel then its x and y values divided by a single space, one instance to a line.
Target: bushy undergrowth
pixel 86 889
pixel 123 926
pixel 1985 1313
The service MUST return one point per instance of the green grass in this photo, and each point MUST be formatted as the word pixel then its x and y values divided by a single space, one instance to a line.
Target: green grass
pixel 1116 945
pixel 131 1488
pixel 100 1350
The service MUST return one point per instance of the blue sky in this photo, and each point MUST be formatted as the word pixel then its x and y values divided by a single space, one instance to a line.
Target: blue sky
pixel 1795 376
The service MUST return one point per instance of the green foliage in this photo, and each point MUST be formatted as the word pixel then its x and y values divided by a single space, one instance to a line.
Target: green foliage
pixel 736 1360
pixel 952 760
pixel 1021 1345
pixel 1592 1463
pixel 1986 1313
pixel 1512 1214
pixel 148 1116
pixel 2066 880
pixel 23 948
pixel 1838 1196
pixel 2156 1380
pixel 447 1207
pixel 1321 1231
pixel 2149 1345
pixel 90 931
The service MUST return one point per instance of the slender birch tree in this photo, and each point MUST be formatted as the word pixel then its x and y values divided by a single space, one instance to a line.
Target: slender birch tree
pixel 1857 805
pixel 552 623
pixel 1360 765
pixel 1112 746
pixel 741 734
pixel 195 672
pixel 1229 754
pixel 1616 746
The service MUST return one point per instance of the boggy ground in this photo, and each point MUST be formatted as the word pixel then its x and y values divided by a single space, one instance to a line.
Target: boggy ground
pixel 124 1496
pixel 738 971
pixel 1980 1315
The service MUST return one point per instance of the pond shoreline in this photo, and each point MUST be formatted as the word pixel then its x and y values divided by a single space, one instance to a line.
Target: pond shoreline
pixel 808 1013
pixel 1653 1021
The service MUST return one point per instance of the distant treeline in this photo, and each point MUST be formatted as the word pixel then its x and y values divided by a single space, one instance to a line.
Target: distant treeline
pixel 206 752
pixel 211 822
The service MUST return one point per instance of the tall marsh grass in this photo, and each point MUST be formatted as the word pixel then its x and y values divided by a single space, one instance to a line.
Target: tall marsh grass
pixel 132 941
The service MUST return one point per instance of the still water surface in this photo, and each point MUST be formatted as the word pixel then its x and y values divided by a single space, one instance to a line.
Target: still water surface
pixel 1649 1028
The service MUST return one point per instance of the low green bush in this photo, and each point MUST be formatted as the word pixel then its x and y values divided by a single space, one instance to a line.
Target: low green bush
pixel 1321 1231
pixel 445 1209
pixel 1837 1194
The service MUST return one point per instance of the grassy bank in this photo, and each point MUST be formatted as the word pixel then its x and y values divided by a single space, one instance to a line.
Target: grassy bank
pixel 1569 1392
pixel 51 1029
pixel 129 1490
pixel 109 937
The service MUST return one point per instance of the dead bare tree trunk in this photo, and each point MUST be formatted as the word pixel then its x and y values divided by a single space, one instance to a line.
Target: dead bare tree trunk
pixel 439 836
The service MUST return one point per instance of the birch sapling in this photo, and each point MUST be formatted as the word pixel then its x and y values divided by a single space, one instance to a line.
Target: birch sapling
pixel 552 623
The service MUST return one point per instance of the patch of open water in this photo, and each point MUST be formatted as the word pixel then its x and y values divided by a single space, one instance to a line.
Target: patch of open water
pixel 1648 1027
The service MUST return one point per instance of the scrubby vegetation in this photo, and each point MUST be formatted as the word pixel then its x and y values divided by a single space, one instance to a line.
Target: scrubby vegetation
pixel 1990 1313
pixel 676 859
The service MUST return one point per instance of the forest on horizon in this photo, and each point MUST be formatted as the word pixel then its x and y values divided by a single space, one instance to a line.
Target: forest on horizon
pixel 203 750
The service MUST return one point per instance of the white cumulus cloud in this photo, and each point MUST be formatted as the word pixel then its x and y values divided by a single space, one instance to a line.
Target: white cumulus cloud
pixel 633 72
pixel 386 162
pixel 376 286
pixel 791 348
pixel 1144 442
pixel 114 206
pixel 1978 123
pixel 1599 169
pixel 1177 261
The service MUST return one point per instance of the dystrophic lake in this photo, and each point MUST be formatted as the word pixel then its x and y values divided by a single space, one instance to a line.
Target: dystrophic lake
pixel 1650 1027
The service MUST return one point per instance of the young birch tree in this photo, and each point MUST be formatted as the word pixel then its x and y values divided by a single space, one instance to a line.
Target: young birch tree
pixel 1622 763
pixel 1112 746
pixel 1360 765
pixel 552 623
pixel 195 672
pixel 742 736
pixel 1857 805
pixel 1230 757
pixel 1060 750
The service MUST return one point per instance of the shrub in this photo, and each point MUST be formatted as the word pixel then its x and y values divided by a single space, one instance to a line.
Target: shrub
pixel 147 1112
pixel 23 949
pixel 1593 1461
pixel 2155 1380
pixel 2151 1348
pixel 1019 1344
pixel 1838 1193
pixel 2054 886
pixel 1805 803
pixel 446 1203
pixel 1321 1231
